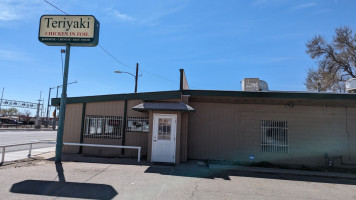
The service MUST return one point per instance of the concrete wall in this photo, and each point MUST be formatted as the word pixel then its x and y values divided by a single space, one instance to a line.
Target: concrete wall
pixel 219 131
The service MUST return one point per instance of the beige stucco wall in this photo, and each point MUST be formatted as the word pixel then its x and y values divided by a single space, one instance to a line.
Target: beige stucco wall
pixel 222 131
pixel 72 127
pixel 232 132
pixel 112 108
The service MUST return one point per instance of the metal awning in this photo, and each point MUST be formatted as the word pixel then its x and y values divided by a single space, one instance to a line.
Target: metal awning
pixel 164 106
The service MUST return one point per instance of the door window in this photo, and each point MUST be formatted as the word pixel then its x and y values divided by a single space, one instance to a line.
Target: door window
pixel 164 129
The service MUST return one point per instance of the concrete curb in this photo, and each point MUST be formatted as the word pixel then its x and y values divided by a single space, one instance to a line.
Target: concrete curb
pixel 282 171
pixel 26 129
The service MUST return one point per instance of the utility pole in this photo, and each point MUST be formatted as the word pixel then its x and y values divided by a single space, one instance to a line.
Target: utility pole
pixel 55 114
pixel 136 77
pixel 49 97
pixel 2 94
pixel 37 123
pixel 48 106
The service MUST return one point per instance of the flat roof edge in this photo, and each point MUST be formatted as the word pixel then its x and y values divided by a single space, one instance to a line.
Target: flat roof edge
pixel 273 94
pixel 175 94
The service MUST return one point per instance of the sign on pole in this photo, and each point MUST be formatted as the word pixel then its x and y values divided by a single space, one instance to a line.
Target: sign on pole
pixel 75 30
pixel 67 30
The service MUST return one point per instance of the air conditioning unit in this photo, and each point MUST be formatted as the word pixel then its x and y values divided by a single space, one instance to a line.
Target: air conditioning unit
pixel 351 85
pixel 254 84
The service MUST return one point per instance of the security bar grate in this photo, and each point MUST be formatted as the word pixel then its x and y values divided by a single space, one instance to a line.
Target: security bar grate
pixel 274 136
pixel 137 124
pixel 97 126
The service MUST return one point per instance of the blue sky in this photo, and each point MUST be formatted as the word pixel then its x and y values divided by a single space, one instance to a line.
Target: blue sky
pixel 218 43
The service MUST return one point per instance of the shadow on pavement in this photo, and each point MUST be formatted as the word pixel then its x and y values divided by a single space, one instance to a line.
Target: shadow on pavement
pixel 204 172
pixel 194 172
pixel 63 188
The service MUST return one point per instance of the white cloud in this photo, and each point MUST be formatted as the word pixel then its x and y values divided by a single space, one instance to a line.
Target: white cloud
pixel 12 55
pixel 121 16
pixel 11 10
pixel 154 17
pixel 306 5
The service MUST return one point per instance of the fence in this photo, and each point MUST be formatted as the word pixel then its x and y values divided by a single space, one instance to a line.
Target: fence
pixel 3 147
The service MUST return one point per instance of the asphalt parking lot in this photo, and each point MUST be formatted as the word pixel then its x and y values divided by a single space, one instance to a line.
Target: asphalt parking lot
pixel 115 178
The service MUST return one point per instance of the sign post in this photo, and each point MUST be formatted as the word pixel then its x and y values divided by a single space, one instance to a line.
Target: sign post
pixel 62 108
pixel 67 30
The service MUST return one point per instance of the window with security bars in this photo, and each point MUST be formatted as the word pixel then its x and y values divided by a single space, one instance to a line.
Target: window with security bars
pixel 137 124
pixel 97 126
pixel 274 136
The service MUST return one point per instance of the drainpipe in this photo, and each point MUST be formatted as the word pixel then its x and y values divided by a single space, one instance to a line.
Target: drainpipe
pixel 82 128
pixel 124 128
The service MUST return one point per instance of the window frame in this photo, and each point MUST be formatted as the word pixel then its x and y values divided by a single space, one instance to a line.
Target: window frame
pixel 274 136
pixel 144 121
pixel 104 124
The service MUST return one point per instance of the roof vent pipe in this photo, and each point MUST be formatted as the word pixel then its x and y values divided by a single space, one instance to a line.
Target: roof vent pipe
pixel 351 85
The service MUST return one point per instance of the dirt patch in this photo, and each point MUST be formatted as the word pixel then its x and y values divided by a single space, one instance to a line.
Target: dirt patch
pixel 28 162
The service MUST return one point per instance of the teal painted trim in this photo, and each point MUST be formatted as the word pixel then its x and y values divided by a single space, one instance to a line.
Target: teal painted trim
pixel 124 128
pixel 297 95
pixel 147 96
pixel 82 128
pixel 141 110
pixel 177 95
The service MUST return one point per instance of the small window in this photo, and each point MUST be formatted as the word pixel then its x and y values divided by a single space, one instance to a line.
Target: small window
pixel 274 136
pixel 137 124
pixel 102 126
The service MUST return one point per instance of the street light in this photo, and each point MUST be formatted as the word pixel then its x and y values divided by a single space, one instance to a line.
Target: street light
pixel 49 97
pixel 136 77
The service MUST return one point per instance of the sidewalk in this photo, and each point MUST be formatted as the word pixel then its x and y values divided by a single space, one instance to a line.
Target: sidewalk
pixel 19 155
pixel 48 153
pixel 83 176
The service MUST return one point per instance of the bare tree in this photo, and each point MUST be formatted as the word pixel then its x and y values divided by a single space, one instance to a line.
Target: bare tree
pixel 27 114
pixel 9 112
pixel 336 61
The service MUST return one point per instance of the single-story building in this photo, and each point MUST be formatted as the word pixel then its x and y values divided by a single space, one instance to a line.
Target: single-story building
pixel 293 128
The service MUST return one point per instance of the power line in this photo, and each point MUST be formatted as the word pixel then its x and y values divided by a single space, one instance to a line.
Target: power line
pixel 113 57
pixel 56 7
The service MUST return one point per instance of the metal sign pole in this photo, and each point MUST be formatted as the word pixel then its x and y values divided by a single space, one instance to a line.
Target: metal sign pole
pixel 49 97
pixel 2 94
pixel 62 109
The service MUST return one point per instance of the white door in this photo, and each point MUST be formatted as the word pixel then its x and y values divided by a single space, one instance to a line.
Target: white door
pixel 164 138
